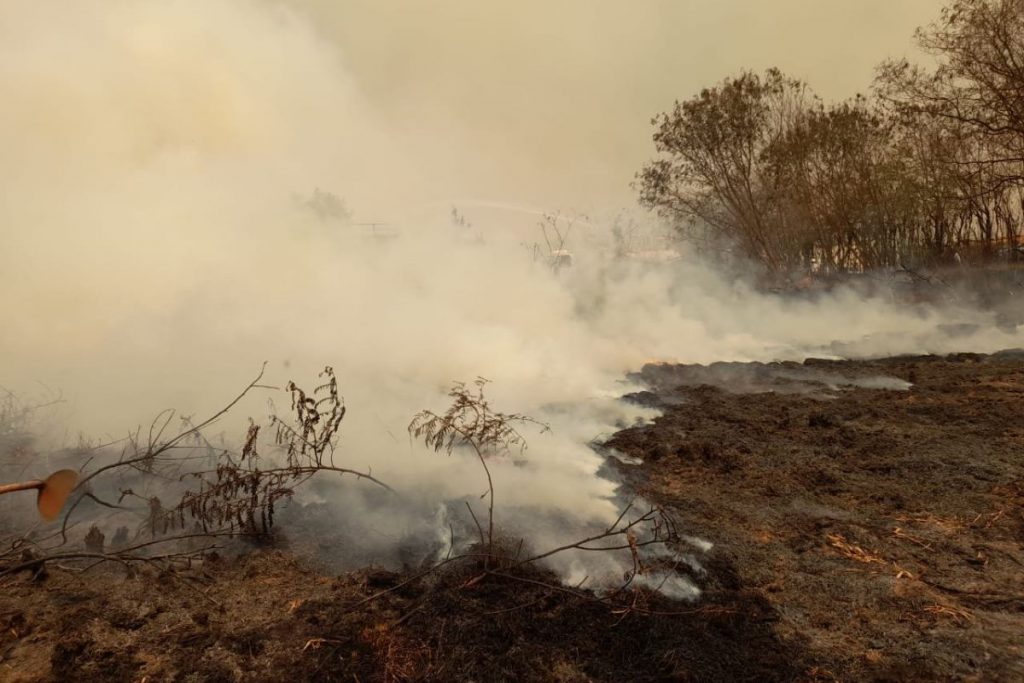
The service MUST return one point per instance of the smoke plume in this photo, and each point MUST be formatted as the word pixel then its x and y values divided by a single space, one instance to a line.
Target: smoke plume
pixel 166 228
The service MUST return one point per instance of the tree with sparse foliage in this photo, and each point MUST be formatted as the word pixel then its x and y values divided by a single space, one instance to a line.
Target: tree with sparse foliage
pixel 710 177
pixel 927 173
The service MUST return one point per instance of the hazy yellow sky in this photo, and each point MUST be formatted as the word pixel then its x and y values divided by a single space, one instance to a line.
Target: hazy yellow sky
pixel 550 101
pixel 156 242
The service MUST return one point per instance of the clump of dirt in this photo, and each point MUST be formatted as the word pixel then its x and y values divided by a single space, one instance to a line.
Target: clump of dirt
pixel 885 527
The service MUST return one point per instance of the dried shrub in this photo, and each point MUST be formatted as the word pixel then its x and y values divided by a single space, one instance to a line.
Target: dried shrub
pixel 231 493
pixel 239 495
pixel 470 421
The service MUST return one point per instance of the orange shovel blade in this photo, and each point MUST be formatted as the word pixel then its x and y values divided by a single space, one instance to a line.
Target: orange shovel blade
pixel 55 492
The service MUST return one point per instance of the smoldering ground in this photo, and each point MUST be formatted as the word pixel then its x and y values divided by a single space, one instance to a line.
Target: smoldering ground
pixel 159 246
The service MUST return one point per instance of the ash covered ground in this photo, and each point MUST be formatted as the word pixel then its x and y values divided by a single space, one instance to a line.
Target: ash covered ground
pixel 867 521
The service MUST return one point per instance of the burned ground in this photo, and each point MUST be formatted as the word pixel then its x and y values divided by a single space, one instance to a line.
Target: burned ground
pixel 263 617
pixel 885 527
pixel 860 534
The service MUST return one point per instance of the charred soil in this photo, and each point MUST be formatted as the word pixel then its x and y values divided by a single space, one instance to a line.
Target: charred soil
pixel 884 527
pixel 860 533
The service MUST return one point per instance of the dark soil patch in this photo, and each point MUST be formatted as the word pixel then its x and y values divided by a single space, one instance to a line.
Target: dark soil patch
pixel 265 618
pixel 886 528
pixel 860 534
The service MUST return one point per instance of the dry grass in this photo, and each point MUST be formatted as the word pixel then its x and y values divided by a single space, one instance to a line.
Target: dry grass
pixel 959 615
pixel 854 552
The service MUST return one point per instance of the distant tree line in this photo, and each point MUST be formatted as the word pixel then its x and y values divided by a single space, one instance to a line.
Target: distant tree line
pixel 928 170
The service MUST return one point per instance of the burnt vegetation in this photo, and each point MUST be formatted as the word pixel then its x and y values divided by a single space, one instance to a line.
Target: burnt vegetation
pixel 181 504
pixel 876 536
pixel 470 422
pixel 450 619
pixel 175 496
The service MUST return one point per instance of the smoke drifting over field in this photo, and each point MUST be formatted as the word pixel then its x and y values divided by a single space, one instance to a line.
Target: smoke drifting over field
pixel 158 246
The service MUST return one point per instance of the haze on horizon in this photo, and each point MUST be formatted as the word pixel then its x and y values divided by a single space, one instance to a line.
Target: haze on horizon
pixel 158 157
pixel 549 104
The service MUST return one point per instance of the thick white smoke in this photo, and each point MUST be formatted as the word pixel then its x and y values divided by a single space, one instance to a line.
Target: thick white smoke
pixel 157 245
